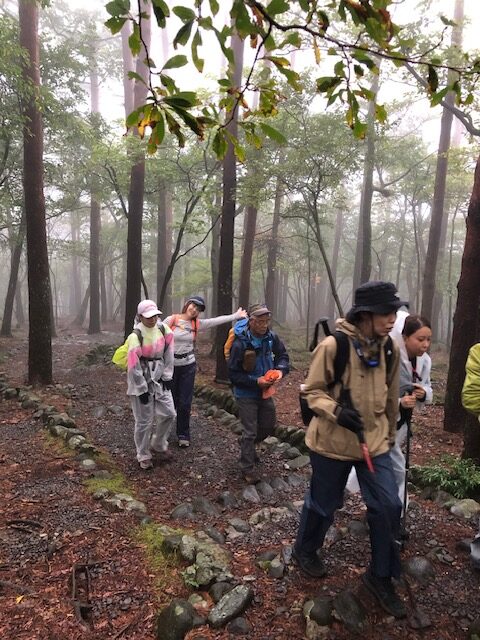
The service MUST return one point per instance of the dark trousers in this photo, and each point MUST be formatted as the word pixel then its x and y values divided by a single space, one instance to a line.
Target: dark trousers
pixel 183 381
pixel 258 420
pixel 380 493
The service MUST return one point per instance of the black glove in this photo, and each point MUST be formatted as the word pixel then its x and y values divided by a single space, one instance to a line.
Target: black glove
pixel 144 397
pixel 350 419
pixel 167 385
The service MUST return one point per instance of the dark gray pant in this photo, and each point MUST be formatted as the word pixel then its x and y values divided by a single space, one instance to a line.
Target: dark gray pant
pixel 258 419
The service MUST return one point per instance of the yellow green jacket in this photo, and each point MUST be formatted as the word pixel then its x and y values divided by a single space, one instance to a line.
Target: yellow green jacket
pixel 471 385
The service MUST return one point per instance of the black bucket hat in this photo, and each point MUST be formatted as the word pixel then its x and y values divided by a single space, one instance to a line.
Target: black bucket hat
pixel 376 297
pixel 198 300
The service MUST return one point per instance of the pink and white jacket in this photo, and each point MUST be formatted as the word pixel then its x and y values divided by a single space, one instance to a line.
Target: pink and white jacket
pixel 151 362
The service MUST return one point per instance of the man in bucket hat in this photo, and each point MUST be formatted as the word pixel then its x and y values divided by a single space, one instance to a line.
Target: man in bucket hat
pixel 258 359
pixel 361 407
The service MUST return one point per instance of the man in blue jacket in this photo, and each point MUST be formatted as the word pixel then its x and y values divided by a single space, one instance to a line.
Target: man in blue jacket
pixel 256 349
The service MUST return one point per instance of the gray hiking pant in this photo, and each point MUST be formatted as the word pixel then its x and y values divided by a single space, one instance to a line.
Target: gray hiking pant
pixel 258 420
pixel 153 423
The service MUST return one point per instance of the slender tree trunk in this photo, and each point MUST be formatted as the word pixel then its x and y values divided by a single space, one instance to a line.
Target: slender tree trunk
pixel 95 221
pixel 432 262
pixel 247 255
pixel 450 284
pixel 335 253
pixel 465 321
pixel 76 288
pixel 17 247
pixel 225 284
pixel 215 251
pixel 136 194
pixel 39 294
pixel 164 246
pixel 273 247
pixel 363 253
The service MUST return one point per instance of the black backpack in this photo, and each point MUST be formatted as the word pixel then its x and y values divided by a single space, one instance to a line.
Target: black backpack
pixel 339 366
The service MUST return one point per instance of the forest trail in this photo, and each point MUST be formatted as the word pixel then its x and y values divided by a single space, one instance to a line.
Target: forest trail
pixel 60 547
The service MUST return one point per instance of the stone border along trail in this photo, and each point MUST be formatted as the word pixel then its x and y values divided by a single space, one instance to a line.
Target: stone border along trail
pixel 201 490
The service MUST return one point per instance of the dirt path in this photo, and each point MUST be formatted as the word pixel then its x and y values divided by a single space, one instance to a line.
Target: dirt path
pixel 43 484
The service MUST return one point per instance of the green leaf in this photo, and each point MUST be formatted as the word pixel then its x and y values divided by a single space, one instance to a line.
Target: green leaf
pixel 182 99
pixel 183 34
pixel 168 83
pixel 437 97
pixel 239 151
pixel 132 118
pixel 197 42
pixel 161 11
pixel 241 19
pixel 380 113
pixel 158 132
pixel 449 23
pixel 133 75
pixel 134 41
pixel 293 39
pixel 175 62
pixel 115 24
pixel 273 134
pixel 277 6
pixel 214 7
pixel 432 79
pixel 293 78
pixel 327 83
pixel 219 144
pixel 118 7
pixel 184 13
pixel 360 130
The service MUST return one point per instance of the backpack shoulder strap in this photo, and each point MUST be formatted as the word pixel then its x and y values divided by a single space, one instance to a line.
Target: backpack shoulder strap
pixel 388 350
pixel 195 327
pixel 342 355
pixel 139 335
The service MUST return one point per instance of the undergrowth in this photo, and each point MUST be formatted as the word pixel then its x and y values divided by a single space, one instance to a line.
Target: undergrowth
pixel 457 476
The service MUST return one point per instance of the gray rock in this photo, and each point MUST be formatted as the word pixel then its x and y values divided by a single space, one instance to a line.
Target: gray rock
pixel 171 542
pixel 276 568
pixel 101 493
pixel 467 509
pixel 113 503
pixel 227 499
pixel 264 489
pixel 135 506
pixel 299 463
pixel 188 548
pixel 295 480
pixel 239 525
pixel 75 442
pixel 319 610
pixel 279 484
pixel 215 535
pixel 282 447
pixel 420 569
pixel 58 431
pixel 287 553
pixel 116 409
pixel 88 465
pixel 10 393
pixel 250 494
pixel 99 412
pixel 61 418
pixel 239 627
pixel 265 557
pixel 269 514
pixel 232 605
pixel 236 428
pixel 350 611
pixel 291 453
pixel 202 505
pixel 219 589
pixel 182 511
pixel 271 441
pixel 103 474
pixel 175 621
pixel 358 528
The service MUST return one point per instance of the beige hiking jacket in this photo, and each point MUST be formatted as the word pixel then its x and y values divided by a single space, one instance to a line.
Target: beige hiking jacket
pixel 374 396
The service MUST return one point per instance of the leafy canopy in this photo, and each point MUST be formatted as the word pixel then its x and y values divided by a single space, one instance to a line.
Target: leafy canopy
pixel 354 34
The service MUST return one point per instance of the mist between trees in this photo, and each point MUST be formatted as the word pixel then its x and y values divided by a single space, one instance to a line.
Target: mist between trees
pixel 292 210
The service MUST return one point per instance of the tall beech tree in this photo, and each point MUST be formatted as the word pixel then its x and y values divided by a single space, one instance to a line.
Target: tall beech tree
pixel 39 293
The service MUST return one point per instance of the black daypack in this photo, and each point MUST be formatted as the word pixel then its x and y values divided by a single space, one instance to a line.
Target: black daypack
pixel 339 366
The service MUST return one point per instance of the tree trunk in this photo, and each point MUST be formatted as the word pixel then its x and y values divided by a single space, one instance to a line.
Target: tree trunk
pixel 273 247
pixel 363 253
pixel 82 312
pixel 465 321
pixel 225 265
pixel 164 246
pixel 76 288
pixel 39 294
pixel 432 262
pixel 336 249
pixel 17 247
pixel 136 193
pixel 247 254
pixel 215 250
pixel 95 221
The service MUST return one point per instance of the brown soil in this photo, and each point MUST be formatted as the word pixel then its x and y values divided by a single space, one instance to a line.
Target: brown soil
pixel 50 528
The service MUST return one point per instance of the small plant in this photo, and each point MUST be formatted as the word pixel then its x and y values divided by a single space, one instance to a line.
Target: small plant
pixel 457 476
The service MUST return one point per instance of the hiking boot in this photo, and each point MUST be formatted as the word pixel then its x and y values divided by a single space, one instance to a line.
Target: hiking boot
pixel 251 477
pixel 384 592
pixel 183 443
pixel 310 564
pixel 146 465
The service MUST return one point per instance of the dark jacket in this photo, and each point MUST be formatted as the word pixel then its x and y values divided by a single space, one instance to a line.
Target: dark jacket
pixel 271 354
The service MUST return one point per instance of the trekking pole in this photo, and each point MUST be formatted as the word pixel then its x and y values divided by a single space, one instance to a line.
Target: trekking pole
pixel 408 420
pixel 365 451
